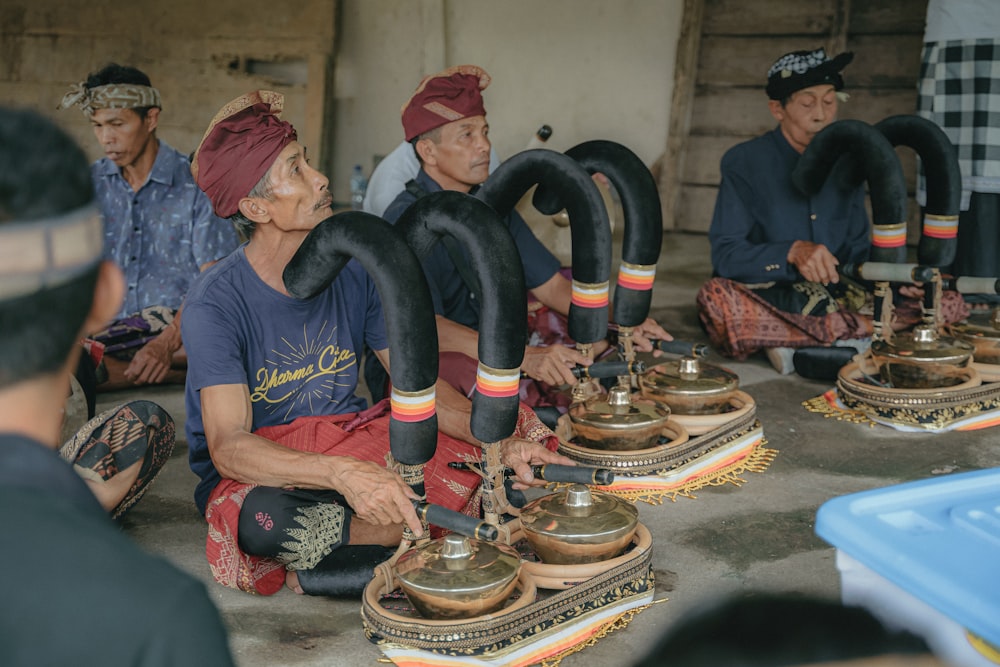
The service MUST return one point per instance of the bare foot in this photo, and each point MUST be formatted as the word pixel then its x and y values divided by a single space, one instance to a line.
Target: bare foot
pixel 292 581
pixel 112 491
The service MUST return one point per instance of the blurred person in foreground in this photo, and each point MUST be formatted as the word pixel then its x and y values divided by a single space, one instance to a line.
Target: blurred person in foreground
pixel 784 630
pixel 77 591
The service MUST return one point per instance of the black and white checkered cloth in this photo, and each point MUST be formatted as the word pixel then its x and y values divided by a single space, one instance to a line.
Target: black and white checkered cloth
pixel 959 90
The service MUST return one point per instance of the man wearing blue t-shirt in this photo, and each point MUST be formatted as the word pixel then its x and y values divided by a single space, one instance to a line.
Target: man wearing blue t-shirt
pixel 292 466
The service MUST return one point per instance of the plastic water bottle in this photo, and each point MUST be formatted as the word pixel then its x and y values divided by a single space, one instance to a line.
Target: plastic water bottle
pixel 540 137
pixel 359 184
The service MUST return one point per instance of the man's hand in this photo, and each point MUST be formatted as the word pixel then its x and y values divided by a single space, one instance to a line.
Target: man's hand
pixel 151 363
pixel 552 364
pixel 377 495
pixel 521 454
pixel 646 332
pixel 814 261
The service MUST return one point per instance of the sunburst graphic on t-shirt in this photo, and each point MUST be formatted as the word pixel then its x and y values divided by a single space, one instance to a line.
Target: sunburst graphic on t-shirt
pixel 305 376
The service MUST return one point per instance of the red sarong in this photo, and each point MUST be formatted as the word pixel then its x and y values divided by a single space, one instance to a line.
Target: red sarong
pixel 363 436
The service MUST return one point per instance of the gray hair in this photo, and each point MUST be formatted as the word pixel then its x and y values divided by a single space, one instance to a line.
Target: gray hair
pixel 263 190
pixel 433 135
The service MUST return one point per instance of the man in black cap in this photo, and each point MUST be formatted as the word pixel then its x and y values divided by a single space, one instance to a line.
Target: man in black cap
pixel 775 251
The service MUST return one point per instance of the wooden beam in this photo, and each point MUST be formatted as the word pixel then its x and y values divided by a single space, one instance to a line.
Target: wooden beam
pixel 319 111
pixel 839 29
pixel 685 72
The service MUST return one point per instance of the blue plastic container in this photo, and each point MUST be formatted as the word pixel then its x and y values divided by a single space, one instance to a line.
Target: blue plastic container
pixel 925 556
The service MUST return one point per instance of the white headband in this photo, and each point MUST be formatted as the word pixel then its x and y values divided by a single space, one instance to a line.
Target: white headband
pixel 39 254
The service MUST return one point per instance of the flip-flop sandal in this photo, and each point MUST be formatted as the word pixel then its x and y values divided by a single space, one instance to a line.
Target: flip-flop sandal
pixel 72 448
pixel 117 439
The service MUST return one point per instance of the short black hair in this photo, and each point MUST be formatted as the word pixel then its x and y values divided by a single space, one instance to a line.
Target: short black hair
pixel 115 73
pixel 43 173
pixel 775 630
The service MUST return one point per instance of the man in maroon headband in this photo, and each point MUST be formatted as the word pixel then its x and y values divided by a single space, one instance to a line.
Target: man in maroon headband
pixel 445 121
pixel 292 462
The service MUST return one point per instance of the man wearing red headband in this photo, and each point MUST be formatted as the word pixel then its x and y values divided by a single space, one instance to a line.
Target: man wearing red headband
pixel 292 462
pixel 445 121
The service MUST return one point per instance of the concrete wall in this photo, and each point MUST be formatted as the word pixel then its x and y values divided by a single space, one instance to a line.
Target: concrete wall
pixel 198 54
pixel 589 68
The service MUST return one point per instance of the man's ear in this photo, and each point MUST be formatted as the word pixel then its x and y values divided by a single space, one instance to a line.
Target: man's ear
pixel 425 148
pixel 108 294
pixel 254 210
pixel 778 111
pixel 152 118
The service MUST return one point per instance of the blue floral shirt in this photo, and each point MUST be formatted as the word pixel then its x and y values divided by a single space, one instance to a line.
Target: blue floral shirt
pixel 161 235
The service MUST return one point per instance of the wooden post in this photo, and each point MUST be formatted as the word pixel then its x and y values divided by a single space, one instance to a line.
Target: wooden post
pixel 685 75
pixel 838 30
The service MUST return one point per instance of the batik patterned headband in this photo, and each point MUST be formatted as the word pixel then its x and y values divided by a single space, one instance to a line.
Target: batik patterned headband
pixel 40 254
pixel 110 96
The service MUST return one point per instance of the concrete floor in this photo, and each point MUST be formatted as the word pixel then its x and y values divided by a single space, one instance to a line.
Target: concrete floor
pixel 728 540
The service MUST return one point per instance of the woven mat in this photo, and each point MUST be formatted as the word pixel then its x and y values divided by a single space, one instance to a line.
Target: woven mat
pixel 831 404
pixel 720 456
pixel 970 406
pixel 546 649
pixel 553 625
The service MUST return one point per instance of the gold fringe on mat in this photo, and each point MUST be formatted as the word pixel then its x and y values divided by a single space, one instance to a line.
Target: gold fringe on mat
pixel 821 406
pixel 756 461
pixel 618 623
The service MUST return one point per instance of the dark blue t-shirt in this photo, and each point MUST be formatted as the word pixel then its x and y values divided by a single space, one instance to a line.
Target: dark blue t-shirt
pixel 452 298
pixel 53 521
pixel 759 213
pixel 298 357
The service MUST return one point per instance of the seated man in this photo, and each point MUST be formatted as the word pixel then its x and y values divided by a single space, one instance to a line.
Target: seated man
pixel 159 228
pixel 293 478
pixel 392 174
pixel 445 121
pixel 77 590
pixel 775 251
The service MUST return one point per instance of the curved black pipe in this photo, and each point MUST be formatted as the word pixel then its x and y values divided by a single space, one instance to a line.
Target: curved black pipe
pixel 407 306
pixel 872 154
pixel 938 237
pixel 643 214
pixel 503 320
pixel 589 227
